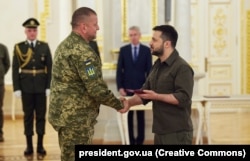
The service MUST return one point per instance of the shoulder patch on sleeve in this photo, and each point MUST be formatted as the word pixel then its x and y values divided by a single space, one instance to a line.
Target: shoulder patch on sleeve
pixel 90 70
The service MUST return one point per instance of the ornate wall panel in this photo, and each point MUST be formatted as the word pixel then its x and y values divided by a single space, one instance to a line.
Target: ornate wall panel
pixel 220 32
pixel 222 47
pixel 219 89
pixel 134 12
pixel 220 72
pixel 214 44
pixel 195 42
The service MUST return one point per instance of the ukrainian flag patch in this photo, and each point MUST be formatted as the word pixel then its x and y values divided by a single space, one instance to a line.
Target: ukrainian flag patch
pixel 90 70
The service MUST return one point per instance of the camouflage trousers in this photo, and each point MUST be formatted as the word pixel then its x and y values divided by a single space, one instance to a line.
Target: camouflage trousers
pixel 2 90
pixel 71 136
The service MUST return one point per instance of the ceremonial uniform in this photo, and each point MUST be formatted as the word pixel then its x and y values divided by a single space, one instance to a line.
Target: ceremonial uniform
pixel 31 73
pixel 32 67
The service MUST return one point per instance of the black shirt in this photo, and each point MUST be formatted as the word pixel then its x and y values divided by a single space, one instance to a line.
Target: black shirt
pixel 94 46
pixel 175 76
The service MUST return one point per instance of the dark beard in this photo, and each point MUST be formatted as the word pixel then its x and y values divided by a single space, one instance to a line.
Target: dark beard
pixel 158 53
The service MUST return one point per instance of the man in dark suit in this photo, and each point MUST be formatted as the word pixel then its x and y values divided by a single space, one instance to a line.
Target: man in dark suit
pixel 134 64
pixel 31 74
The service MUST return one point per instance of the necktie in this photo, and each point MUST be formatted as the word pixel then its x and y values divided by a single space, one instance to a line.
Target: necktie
pixel 135 54
pixel 32 45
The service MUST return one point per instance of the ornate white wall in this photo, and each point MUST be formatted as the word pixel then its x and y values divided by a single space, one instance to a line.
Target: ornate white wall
pixel 13 14
pixel 218 29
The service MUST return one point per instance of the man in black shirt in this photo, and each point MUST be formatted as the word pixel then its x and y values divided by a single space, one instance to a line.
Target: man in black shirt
pixel 94 46
pixel 169 86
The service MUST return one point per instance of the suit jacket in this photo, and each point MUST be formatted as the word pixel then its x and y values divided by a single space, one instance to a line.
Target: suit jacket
pixel 38 59
pixel 130 74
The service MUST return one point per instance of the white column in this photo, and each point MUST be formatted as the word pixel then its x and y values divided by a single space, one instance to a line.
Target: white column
pixel 183 27
pixel 65 14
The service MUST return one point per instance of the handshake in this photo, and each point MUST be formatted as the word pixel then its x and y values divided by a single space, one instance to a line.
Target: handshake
pixel 136 99
pixel 125 105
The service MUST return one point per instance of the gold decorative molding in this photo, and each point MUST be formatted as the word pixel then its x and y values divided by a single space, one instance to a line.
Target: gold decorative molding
pixel 194 32
pixel 220 31
pixel 247 57
pixel 43 16
pixel 220 89
pixel 154 20
pixel 115 51
pixel 242 46
pixel 220 72
pixel 109 66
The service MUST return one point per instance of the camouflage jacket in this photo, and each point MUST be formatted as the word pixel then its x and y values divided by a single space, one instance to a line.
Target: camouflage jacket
pixel 77 85
pixel 4 62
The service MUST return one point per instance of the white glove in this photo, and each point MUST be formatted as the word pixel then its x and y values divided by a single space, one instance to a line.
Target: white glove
pixel 47 92
pixel 18 93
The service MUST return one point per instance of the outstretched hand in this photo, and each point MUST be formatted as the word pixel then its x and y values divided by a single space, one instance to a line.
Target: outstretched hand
pixel 125 105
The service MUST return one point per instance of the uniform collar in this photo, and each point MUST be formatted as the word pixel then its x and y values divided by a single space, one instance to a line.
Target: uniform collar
pixel 78 37
pixel 170 60
pixel 34 41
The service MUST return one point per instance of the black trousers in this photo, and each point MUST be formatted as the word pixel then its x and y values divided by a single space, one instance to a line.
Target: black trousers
pixel 140 127
pixel 176 138
pixel 34 106
pixel 2 90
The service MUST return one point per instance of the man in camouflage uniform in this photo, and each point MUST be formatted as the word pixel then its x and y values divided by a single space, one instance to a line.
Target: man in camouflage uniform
pixel 4 67
pixel 31 74
pixel 77 85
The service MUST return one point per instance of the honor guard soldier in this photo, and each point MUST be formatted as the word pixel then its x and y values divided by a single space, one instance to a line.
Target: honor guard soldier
pixel 31 74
